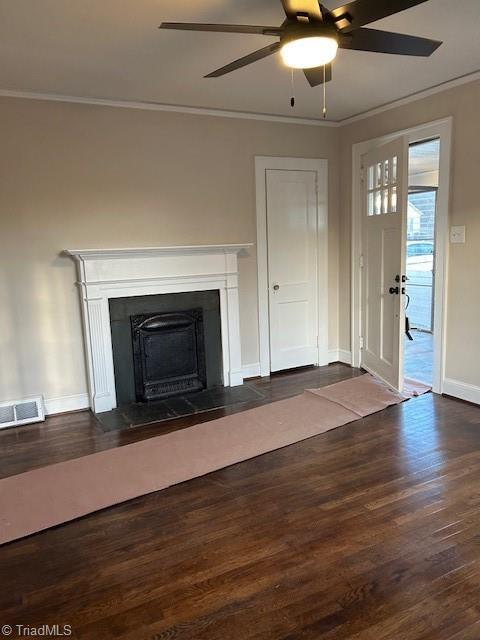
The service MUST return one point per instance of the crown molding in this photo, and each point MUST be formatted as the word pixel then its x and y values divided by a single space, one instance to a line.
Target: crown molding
pixel 424 93
pixel 245 115
pixel 171 108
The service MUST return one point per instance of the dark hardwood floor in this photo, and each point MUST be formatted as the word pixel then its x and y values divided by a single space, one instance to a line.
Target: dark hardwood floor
pixel 74 435
pixel 367 532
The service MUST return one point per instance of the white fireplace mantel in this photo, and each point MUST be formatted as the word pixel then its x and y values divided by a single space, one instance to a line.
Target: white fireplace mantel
pixel 119 273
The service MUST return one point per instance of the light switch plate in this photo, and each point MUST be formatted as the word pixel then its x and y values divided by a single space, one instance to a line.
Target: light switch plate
pixel 457 235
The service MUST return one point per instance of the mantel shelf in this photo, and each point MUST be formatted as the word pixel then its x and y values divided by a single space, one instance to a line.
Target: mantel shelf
pixel 139 252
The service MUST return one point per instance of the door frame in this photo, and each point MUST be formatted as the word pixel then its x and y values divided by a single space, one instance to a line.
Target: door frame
pixel 320 167
pixel 437 129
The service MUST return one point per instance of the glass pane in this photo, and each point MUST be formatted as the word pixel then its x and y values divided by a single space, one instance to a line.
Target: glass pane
pixel 378 175
pixel 371 176
pixel 370 208
pixel 393 200
pixel 394 169
pixel 385 201
pixel 386 172
pixel 378 202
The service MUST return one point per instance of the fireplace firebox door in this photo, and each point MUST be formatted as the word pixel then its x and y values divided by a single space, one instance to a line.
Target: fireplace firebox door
pixel 168 354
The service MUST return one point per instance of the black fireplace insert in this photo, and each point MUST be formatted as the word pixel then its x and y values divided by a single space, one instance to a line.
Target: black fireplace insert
pixel 168 354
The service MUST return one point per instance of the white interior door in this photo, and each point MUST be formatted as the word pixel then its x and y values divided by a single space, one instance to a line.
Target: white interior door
pixel 292 267
pixel 385 171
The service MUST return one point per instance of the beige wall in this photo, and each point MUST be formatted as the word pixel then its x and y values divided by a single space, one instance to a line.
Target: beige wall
pixel 89 176
pixel 463 310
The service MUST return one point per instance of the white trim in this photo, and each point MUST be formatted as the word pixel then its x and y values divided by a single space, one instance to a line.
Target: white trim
pixel 147 252
pixel 339 355
pixel 117 273
pixel 443 130
pixel 320 166
pixel 170 108
pixel 345 356
pixel 64 404
pixel 461 390
pixel 251 370
pixel 419 95
pixel 243 115
pixel 333 356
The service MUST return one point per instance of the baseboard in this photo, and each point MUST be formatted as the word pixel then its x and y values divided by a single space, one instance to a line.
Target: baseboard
pixel 251 370
pixel 82 401
pixel 461 390
pixel 345 356
pixel 340 355
pixel 66 403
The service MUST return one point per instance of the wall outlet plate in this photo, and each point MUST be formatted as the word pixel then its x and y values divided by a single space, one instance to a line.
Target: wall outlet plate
pixel 457 235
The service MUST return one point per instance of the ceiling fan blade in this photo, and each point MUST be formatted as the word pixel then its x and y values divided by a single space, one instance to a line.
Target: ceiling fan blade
pixel 304 8
pixel 355 14
pixel 223 28
pixel 388 42
pixel 243 62
pixel 315 75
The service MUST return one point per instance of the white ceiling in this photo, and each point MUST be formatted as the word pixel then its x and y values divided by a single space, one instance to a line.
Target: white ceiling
pixel 112 49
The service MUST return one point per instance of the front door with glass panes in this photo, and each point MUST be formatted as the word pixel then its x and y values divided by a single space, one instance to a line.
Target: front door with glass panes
pixel 384 191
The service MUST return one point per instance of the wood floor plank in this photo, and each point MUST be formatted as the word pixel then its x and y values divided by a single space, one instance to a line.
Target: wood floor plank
pixel 366 532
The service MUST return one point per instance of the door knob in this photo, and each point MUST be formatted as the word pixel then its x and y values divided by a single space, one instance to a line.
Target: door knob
pixel 394 290
pixel 276 287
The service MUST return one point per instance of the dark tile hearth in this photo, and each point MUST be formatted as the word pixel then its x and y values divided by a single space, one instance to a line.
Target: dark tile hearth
pixel 137 414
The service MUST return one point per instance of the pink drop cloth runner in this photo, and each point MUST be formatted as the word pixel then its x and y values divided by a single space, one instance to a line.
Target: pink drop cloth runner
pixel 45 497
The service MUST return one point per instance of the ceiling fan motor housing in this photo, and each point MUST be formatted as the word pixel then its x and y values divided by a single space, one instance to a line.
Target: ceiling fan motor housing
pixel 297 30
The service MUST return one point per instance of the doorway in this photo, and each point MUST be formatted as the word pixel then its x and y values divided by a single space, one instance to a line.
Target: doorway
pixel 440 131
pixel 292 262
pixel 423 181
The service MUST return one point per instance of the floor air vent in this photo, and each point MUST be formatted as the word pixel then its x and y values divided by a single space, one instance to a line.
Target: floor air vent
pixel 13 414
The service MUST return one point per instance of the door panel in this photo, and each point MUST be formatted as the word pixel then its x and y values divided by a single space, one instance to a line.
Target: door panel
pixel 383 229
pixel 292 267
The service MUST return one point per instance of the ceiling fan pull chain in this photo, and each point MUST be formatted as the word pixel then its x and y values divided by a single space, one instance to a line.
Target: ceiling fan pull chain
pixel 292 99
pixel 324 91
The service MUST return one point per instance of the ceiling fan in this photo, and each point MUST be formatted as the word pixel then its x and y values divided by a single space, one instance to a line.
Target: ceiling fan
pixel 311 35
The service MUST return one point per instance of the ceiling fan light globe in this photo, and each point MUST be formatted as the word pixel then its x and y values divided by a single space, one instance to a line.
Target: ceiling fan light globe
pixel 309 52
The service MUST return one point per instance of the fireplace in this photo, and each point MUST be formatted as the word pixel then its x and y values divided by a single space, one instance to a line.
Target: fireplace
pixel 168 354
pixel 105 274
pixel 165 345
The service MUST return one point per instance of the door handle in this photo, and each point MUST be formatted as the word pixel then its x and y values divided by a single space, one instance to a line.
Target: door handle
pixel 276 287
pixel 394 290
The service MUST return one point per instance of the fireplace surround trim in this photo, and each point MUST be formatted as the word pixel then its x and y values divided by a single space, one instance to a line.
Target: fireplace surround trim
pixel 117 273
